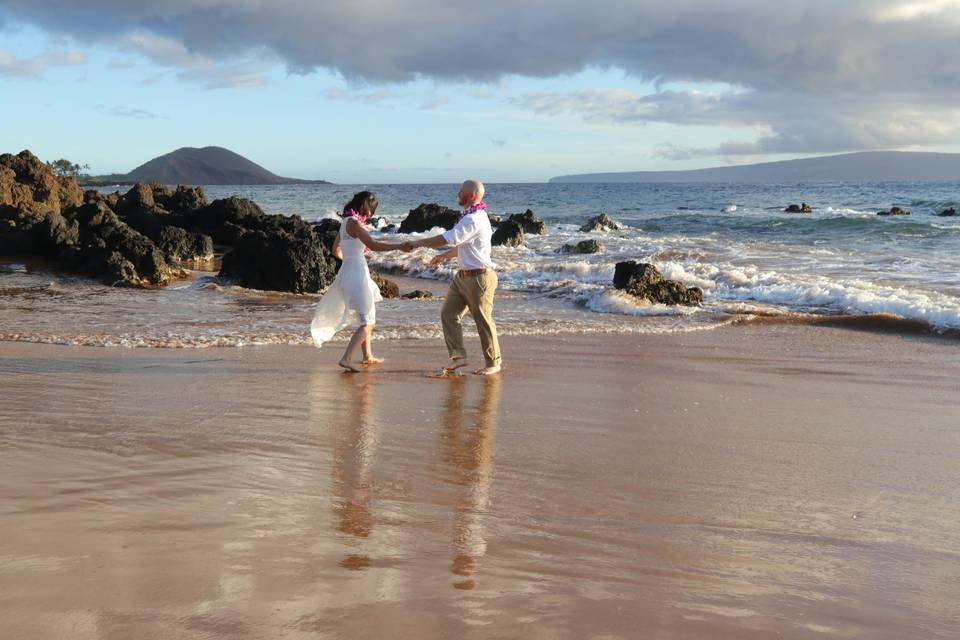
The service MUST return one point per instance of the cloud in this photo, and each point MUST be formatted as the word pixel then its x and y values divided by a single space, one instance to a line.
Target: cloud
pixel 434 103
pixel 804 45
pixel 361 96
pixel 788 123
pixel 207 71
pixel 808 74
pixel 126 112
pixel 11 65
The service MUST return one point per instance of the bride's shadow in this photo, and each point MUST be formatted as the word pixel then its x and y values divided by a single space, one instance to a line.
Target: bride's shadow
pixel 467 448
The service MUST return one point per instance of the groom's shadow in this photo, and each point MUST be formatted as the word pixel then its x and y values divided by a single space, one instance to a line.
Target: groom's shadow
pixel 467 447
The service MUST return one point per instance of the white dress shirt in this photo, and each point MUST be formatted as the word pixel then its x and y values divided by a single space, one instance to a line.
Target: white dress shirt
pixel 472 236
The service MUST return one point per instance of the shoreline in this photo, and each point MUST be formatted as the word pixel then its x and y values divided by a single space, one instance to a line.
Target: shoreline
pixel 737 483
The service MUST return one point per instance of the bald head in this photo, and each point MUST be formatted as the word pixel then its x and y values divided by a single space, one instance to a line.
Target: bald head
pixel 471 192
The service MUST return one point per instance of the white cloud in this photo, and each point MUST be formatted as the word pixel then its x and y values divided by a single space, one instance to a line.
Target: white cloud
pixel 11 65
pixel 434 103
pixel 126 112
pixel 361 96
pixel 904 11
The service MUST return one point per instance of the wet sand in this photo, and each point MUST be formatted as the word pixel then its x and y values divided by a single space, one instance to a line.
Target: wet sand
pixel 747 482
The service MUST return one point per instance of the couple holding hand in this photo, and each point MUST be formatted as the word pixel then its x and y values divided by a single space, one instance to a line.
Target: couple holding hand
pixel 353 293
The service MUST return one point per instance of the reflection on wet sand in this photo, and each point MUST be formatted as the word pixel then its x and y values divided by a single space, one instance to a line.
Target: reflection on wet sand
pixel 354 449
pixel 241 494
pixel 467 448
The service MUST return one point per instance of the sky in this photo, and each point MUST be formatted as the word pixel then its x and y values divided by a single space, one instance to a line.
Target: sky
pixel 377 91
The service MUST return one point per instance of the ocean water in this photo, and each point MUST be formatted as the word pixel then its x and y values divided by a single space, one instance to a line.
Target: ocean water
pixel 752 260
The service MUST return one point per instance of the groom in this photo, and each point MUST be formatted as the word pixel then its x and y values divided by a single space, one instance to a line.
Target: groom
pixel 475 282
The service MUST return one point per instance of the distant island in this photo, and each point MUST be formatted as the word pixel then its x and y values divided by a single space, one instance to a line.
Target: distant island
pixel 868 166
pixel 203 166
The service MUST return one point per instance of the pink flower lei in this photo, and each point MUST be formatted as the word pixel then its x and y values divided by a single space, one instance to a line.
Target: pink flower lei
pixel 356 215
pixel 480 206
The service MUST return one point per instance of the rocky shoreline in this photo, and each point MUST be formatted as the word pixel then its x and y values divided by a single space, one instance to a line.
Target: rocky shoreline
pixel 152 235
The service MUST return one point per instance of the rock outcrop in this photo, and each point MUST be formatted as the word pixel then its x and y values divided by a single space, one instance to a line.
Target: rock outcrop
pixel 602 222
pixel 418 294
pixel 28 185
pixel 429 216
pixel 141 237
pixel 106 248
pixel 508 234
pixel 803 207
pixel 644 281
pixel 894 211
pixel 327 231
pixel 388 288
pixel 278 261
pixel 529 222
pixel 584 246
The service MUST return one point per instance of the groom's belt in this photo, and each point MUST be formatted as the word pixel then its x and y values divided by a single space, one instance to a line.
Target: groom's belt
pixel 472 272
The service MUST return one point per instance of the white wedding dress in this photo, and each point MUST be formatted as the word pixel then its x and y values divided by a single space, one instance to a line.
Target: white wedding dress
pixel 351 298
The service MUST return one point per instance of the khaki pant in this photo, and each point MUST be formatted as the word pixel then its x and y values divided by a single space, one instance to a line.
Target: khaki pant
pixel 473 293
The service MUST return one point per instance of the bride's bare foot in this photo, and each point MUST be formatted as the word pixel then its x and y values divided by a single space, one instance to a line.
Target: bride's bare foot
pixel 488 371
pixel 349 367
pixel 372 360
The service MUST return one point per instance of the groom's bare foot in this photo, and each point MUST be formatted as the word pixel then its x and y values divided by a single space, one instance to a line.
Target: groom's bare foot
pixel 349 367
pixel 456 364
pixel 488 371
pixel 372 360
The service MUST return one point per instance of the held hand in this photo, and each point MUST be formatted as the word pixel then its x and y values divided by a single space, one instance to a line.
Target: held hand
pixel 407 246
pixel 437 260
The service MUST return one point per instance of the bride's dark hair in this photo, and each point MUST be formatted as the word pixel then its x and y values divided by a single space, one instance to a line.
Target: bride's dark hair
pixel 363 202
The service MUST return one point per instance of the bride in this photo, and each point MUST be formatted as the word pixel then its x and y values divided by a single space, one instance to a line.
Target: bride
pixel 353 294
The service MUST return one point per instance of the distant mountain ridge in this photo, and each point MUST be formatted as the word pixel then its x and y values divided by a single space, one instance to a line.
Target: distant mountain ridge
pixel 866 166
pixel 199 166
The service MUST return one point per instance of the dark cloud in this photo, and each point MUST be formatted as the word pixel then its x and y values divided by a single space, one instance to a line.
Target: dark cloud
pixel 813 74
pixel 808 45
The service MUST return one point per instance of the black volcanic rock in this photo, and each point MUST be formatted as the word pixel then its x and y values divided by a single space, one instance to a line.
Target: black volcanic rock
pixel 529 222
pixel 429 216
pixel 602 222
pixel 509 234
pixel 30 186
pixel 162 215
pixel 894 211
pixel 388 288
pixel 114 252
pixel 644 281
pixel 184 199
pixel 53 233
pixel 584 246
pixel 327 230
pixel 137 238
pixel 799 208
pixel 179 244
pixel 278 261
pixel 238 211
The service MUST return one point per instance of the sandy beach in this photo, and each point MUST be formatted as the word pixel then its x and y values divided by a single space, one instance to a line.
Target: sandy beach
pixel 747 482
